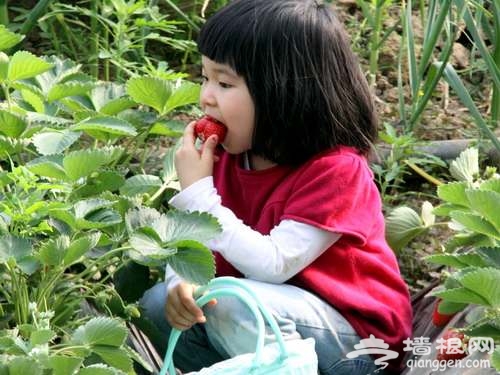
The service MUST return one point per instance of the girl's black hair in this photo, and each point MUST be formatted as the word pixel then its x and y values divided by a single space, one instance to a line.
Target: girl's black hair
pixel 306 83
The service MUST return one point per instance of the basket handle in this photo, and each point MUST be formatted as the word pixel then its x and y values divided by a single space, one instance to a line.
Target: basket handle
pixel 230 286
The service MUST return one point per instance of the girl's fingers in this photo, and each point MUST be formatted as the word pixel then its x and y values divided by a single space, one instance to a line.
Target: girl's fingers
pixel 208 150
pixel 189 138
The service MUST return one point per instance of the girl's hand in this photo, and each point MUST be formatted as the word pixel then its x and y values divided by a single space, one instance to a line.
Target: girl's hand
pixel 181 310
pixel 192 164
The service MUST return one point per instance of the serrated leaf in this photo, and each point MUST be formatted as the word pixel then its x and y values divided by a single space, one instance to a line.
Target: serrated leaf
pixel 151 91
pixel 193 262
pixel 475 223
pixel 491 185
pixel 403 224
pixel 14 247
pixel 461 295
pixel 99 369
pixel 115 106
pixel 487 203
pixel 447 307
pixel 52 252
pixel 101 331
pixel 454 192
pixel 41 118
pixel 115 357
pixel 141 184
pixel 79 247
pixel 24 365
pixel 103 181
pixel 34 99
pixel 180 225
pixel 11 125
pixel 48 166
pixel 466 166
pixel 186 93
pixel 104 94
pixel 147 246
pixel 64 365
pixel 169 172
pixel 484 282
pixel 111 125
pixel 63 90
pixel 8 39
pixel 168 128
pixel 491 255
pixel 140 217
pixel 456 260
pixel 41 336
pixel 24 64
pixel 82 163
pixel 495 358
pixel 51 142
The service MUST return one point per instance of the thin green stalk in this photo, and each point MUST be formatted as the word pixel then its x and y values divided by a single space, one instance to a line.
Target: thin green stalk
pixel 374 43
pixel 495 99
pixel 94 45
pixel 69 35
pixel 33 16
pixel 4 12
pixel 183 15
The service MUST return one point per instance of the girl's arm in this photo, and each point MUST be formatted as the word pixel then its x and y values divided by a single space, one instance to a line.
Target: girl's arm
pixel 289 248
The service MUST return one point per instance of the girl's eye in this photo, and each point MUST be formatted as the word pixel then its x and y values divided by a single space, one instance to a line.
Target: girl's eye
pixel 225 85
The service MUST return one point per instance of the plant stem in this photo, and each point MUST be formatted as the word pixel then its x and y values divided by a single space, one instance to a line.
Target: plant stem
pixel 4 12
pixel 495 98
pixel 33 16
pixel 94 45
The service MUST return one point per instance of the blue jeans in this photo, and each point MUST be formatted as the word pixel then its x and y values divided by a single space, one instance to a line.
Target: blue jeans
pixel 230 329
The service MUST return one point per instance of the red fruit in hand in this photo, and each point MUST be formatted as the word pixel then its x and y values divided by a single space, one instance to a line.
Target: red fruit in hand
pixel 440 319
pixel 207 126
pixel 452 346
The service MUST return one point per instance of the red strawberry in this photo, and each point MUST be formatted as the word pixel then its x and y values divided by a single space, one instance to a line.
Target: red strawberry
pixel 453 341
pixel 207 126
pixel 440 319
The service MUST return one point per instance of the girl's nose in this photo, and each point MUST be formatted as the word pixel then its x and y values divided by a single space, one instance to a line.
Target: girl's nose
pixel 207 97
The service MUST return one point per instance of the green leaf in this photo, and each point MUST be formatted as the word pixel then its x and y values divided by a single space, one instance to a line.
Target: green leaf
pixel 82 163
pixel 151 91
pixel 454 192
pixel 34 99
pixel 14 248
pixel 51 141
pixel 41 118
pixel 186 93
pixel 180 225
pixel 24 365
pixel 491 185
pixel 101 331
pixel 115 106
pixel 475 223
pixel 94 213
pixel 111 125
pixel 447 307
pixel 41 336
pixel 63 90
pixel 115 357
pixel 466 166
pixel 48 166
pixel 80 246
pixel 147 245
pixel 105 94
pixel 193 262
pixel 24 65
pixel 403 224
pixel 8 39
pixel 461 295
pixel 141 184
pixel 11 125
pixel 99 369
pixel 457 260
pixel 491 255
pixel 484 282
pixel 487 203
pixel 96 184
pixel 64 365
pixel 495 358
pixel 53 251
pixel 168 128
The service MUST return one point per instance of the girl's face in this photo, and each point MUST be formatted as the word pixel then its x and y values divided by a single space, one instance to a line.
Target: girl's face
pixel 225 97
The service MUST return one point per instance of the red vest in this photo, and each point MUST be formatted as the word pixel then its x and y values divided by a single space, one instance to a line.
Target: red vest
pixel 359 274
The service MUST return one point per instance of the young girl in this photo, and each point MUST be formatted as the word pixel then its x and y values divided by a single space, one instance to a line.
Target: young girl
pixel 291 187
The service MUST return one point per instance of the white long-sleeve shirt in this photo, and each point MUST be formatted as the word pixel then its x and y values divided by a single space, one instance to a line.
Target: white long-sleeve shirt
pixel 286 250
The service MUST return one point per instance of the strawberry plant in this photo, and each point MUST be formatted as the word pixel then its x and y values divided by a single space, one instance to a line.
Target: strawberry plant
pixel 471 205
pixel 76 212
